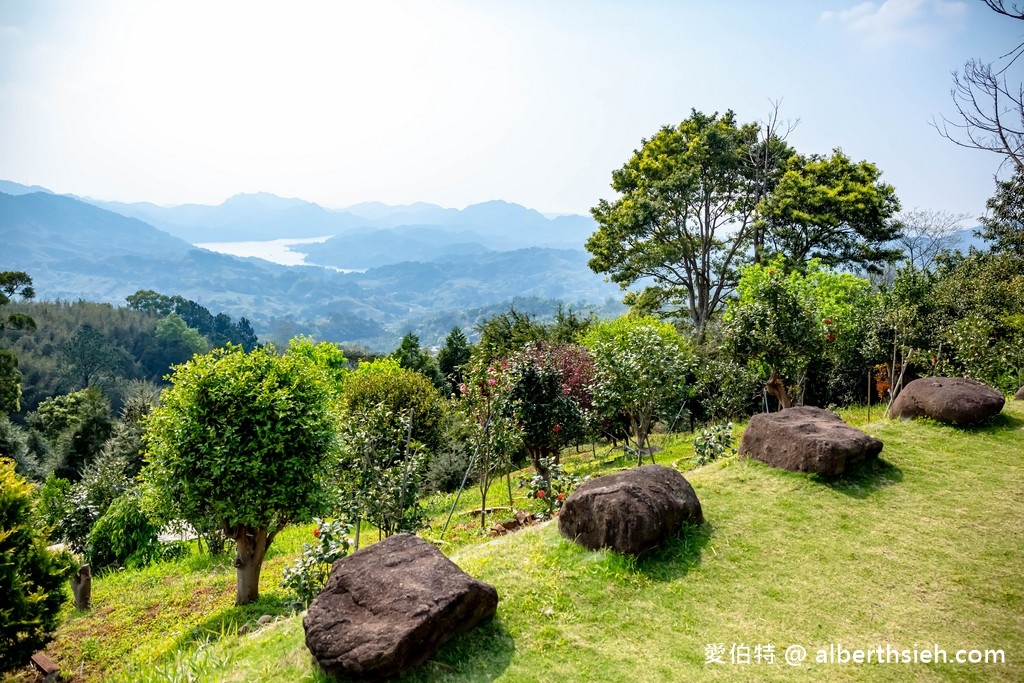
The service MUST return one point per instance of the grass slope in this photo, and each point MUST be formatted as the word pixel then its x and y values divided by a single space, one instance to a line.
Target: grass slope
pixel 924 549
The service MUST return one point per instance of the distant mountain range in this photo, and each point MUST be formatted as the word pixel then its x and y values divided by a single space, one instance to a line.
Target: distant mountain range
pixel 423 265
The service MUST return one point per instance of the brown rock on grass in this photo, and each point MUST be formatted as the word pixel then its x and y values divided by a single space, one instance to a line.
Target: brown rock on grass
pixel 808 439
pixel 630 511
pixel 388 608
pixel 1019 396
pixel 956 400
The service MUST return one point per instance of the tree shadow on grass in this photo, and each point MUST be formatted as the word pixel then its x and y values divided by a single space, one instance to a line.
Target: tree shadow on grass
pixel 674 559
pixel 866 480
pixel 483 654
pixel 227 622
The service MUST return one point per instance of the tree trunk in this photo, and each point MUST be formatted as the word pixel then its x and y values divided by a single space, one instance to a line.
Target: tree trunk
pixel 777 388
pixel 250 548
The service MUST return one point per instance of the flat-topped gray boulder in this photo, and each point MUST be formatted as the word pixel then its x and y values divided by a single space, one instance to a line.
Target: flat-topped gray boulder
pixel 808 439
pixel 387 608
pixel 957 400
pixel 630 511
pixel 1019 396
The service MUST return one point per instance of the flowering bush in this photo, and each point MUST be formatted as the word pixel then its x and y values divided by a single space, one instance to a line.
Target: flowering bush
pixel 552 491
pixel 714 442
pixel 307 576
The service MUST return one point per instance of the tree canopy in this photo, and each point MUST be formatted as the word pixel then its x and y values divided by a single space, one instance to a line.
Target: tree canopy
pixel 247 439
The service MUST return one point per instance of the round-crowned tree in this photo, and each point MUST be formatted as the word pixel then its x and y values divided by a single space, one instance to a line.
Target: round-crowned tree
pixel 640 365
pixel 247 439
pixel 32 578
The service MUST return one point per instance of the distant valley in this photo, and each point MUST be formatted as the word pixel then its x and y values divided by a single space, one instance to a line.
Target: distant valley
pixel 419 267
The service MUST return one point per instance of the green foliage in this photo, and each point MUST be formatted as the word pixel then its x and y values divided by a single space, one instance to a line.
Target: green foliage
pixel 833 210
pixel 218 329
pixel 489 409
pixel 327 356
pixel 505 334
pixel 382 468
pixel 1003 227
pixel 452 357
pixel 412 356
pixel 307 575
pixel 641 365
pixel 173 330
pixel 14 445
pixel 90 359
pixel 550 491
pixel 123 536
pixel 246 439
pixel 782 319
pixel 724 387
pixel 713 442
pixel 11 284
pixel 684 214
pixel 76 426
pixel 403 392
pixel 32 578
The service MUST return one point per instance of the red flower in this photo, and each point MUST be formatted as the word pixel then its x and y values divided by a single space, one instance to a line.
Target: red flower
pixel 831 337
pixel 556 428
pixel 540 494
pixel 561 497
pixel 316 532
pixel 827 321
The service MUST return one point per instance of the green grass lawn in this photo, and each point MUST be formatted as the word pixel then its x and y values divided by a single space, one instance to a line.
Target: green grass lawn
pixel 924 549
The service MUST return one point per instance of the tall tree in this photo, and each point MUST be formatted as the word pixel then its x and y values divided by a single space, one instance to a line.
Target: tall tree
pixel 13 283
pixel 834 210
pixel 684 216
pixel 452 358
pixel 412 356
pixel 1003 227
pixel 247 439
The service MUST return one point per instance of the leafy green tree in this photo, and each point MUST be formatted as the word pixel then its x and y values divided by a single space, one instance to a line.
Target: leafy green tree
pixel 32 578
pixel 640 365
pixel 382 469
pixel 486 405
pixel 505 334
pixel 13 283
pixel 412 356
pixel 89 358
pixel 783 319
pixel 327 356
pixel 550 417
pixel 247 439
pixel 684 218
pixel 173 330
pixel 1003 227
pixel 834 210
pixel 452 358
pixel 403 392
pixel 75 426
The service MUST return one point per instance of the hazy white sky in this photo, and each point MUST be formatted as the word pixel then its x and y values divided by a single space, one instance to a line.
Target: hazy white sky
pixel 460 102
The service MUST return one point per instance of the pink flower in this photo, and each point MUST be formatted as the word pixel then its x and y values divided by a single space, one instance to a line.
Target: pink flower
pixel 463 388
pixel 491 382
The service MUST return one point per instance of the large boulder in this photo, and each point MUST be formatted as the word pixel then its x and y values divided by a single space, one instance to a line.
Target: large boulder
pixel 957 400
pixel 388 607
pixel 630 511
pixel 808 439
pixel 1019 396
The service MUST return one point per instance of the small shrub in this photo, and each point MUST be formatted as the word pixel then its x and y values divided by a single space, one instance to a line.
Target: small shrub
pixel 551 493
pixel 713 443
pixel 33 579
pixel 307 576
pixel 123 536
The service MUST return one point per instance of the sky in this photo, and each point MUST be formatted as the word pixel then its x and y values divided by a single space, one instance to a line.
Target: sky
pixel 459 102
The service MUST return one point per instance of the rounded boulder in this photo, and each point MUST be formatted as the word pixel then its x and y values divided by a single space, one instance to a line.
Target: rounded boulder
pixel 956 400
pixel 630 511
